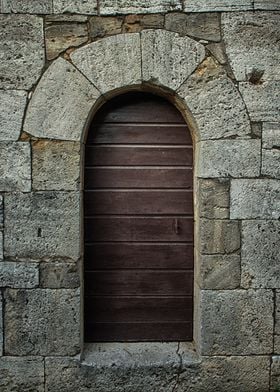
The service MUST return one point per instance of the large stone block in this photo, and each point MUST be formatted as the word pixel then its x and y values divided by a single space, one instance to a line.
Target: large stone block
pixel 75 6
pixel 215 104
pixel 112 7
pixel 271 135
pixel 217 5
pixel 111 63
pixel 271 163
pixel 275 374
pixel 59 275
pixel 21 50
pixel 255 199
pixel 60 104
pixel 167 58
pixel 229 158
pixel 27 6
pixel 12 106
pixel 15 166
pixel 22 374
pixel 260 256
pixel 42 225
pixel 252 39
pixel 219 236
pixel 213 198
pixel 262 100
pixel 42 322
pixel 19 275
pixel 55 165
pixel 236 322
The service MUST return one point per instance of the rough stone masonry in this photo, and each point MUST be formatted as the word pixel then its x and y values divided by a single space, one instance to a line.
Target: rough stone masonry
pixel 218 61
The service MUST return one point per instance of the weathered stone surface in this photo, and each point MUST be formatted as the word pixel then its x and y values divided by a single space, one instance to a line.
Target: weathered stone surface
pixel 111 7
pixel 102 26
pixel 255 199
pixel 213 198
pixel 1 326
pixel 200 25
pixel 167 58
pixel 59 275
pixel 217 5
pixel 75 6
pixel 275 374
pixel 237 322
pixel 60 104
pixel 260 256
pixel 1 246
pixel 277 313
pixel 12 106
pixel 111 63
pixel 271 163
pixel 55 165
pixel 219 272
pixel 271 135
pixel 42 322
pixel 19 275
pixel 219 236
pixel 62 36
pixel 21 50
pixel 15 166
pixel 1 212
pixel 27 6
pixel 269 5
pixel 262 101
pixel 215 104
pixel 136 23
pixel 42 225
pixel 218 51
pixel 22 374
pixel 66 18
pixel 277 344
pixel 252 39
pixel 229 158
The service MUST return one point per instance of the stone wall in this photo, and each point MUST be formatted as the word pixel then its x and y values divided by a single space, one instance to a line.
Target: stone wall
pixel 218 62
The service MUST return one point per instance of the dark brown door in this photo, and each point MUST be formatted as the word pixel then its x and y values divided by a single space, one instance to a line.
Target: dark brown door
pixel 138 222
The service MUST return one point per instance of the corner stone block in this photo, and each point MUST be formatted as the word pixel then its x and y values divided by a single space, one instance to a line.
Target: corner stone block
pixel 22 374
pixel 168 59
pixel 217 5
pixel 237 322
pixel 219 236
pixel 59 275
pixel 60 104
pixel 229 158
pixel 15 166
pixel 22 51
pixel 255 199
pixel 271 163
pixel 252 39
pixel 275 373
pixel 12 106
pixel 42 226
pixel 213 201
pixel 112 7
pixel 42 322
pixel 75 6
pixel 27 7
pixel 19 275
pixel 112 62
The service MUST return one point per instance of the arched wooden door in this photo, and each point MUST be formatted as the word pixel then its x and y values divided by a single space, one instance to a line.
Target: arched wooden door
pixel 138 207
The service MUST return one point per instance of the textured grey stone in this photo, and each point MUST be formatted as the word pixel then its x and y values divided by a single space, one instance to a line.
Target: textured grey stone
pixel 15 166
pixel 219 236
pixel 22 374
pixel 1 327
pixel 42 322
pixel 262 101
pixel 229 158
pixel 213 199
pixel 112 7
pixel 21 50
pixel 167 58
pixel 55 165
pixel 269 5
pixel 1 245
pixel 27 6
pixel 252 39
pixel 1 212
pixel 111 63
pixel 271 135
pixel 218 51
pixel 277 345
pixel 277 313
pixel 75 6
pixel 102 26
pixel 237 322
pixel 217 5
pixel 215 103
pixel 271 163
pixel 253 199
pixel 275 374
pixel 12 106
pixel 60 104
pixel 66 18
pixel 260 256
pixel 204 26
pixel 42 225
pixel 19 275
pixel 219 272
pixel 59 275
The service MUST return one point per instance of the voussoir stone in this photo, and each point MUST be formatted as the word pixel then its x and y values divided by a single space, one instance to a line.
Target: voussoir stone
pixel 22 374
pixel 236 322
pixel 112 62
pixel 61 103
pixel 27 6
pixel 54 316
pixel 168 59
pixel 229 158
pixel 217 5
pixel 252 39
pixel 59 275
pixel 219 236
pixel 12 106
pixel 255 199
pixel 42 226
pixel 21 51
pixel 213 200
pixel 19 275
pixel 15 166
pixel 112 7
pixel 75 6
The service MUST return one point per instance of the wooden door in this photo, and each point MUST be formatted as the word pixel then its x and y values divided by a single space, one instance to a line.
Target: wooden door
pixel 138 207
